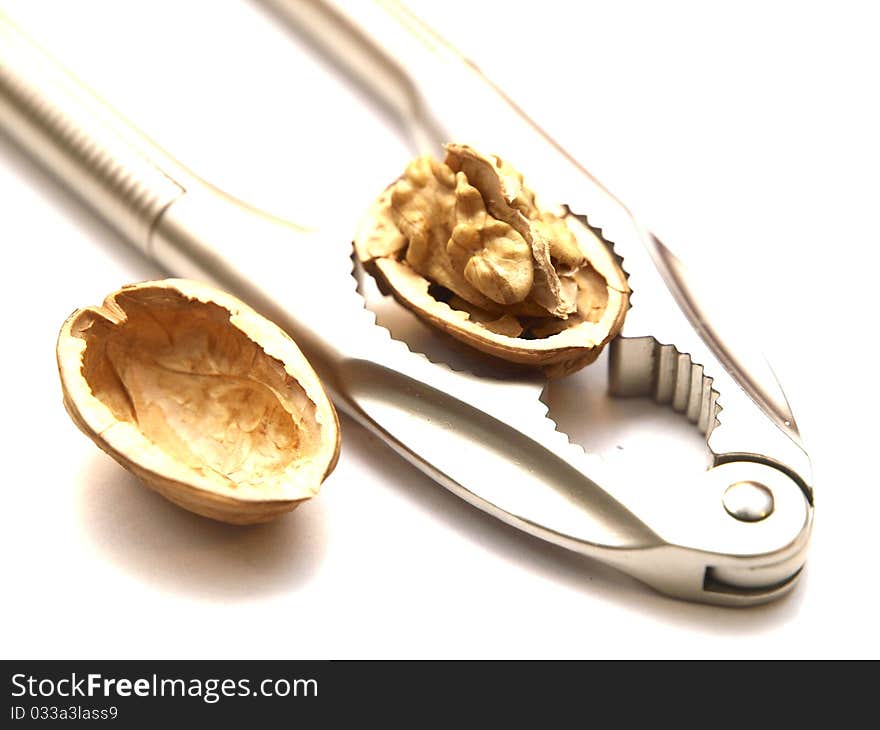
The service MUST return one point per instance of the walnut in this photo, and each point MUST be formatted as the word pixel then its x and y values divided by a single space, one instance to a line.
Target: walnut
pixel 465 245
pixel 207 402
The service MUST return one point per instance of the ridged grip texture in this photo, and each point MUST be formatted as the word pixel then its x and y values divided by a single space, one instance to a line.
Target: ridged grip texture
pixel 61 123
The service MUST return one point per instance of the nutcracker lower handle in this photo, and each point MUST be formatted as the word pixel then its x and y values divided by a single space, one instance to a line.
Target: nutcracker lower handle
pixel 107 162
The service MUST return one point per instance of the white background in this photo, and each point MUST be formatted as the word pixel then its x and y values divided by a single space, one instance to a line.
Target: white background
pixel 746 135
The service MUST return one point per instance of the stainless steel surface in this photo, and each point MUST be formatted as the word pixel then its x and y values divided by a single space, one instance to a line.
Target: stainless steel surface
pixel 748 501
pixel 675 533
pixel 82 141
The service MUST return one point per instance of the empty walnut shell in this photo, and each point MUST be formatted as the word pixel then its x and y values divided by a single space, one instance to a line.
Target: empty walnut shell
pixel 206 401
pixel 466 247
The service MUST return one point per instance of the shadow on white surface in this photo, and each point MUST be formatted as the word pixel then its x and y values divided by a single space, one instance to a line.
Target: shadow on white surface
pixel 159 543
pixel 563 567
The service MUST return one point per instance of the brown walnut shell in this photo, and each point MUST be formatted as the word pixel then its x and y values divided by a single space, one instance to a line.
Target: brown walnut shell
pixel 207 402
pixel 466 247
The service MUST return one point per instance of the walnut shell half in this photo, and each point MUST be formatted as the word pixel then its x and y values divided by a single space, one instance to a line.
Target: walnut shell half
pixel 465 246
pixel 206 401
